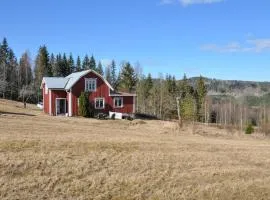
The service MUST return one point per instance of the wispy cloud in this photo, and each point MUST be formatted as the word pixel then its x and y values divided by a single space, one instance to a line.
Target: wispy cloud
pixel 251 45
pixel 105 62
pixel 189 2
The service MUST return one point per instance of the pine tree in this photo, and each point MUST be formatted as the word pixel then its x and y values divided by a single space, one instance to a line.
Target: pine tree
pixel 92 63
pixel 113 74
pixel 71 67
pixel 100 69
pixel 128 77
pixel 78 64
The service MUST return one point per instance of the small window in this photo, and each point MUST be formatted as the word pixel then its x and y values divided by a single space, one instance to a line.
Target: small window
pixel 99 103
pixel 118 102
pixel 90 84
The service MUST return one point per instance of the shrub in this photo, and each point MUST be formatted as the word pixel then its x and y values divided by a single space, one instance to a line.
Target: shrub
pixel 249 129
pixel 84 105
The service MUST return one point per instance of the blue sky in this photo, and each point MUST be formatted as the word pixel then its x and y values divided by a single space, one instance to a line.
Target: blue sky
pixel 225 39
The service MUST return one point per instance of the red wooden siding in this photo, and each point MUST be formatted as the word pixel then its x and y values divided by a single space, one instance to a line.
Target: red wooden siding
pixel 128 105
pixel 102 91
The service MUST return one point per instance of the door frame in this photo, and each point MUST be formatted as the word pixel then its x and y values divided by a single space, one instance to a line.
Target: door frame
pixel 56 105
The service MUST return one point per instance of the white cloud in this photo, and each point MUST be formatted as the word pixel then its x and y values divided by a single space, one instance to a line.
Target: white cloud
pixel 165 2
pixel 260 45
pixel 189 2
pixel 252 45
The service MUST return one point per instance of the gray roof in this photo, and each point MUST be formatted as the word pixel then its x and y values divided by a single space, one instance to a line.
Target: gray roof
pixel 68 82
pixel 55 82
pixel 74 77
pixel 121 94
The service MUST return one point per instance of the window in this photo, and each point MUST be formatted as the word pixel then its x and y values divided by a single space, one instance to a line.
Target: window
pixel 118 102
pixel 90 84
pixel 99 103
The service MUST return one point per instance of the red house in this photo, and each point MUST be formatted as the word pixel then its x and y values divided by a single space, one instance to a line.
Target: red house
pixel 61 94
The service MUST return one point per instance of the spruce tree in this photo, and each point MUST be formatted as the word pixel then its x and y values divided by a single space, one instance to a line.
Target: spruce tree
pixel 113 74
pixel 92 63
pixel 128 77
pixel 100 69
pixel 65 68
pixel 42 65
pixel 86 64
pixel 78 64
pixel 148 85
pixel 58 64
pixel 12 75
pixel 71 67
pixel 4 51
pixel 201 92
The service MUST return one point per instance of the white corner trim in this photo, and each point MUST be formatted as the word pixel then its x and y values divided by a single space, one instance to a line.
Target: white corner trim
pixel 43 97
pixel 50 102
pixel 70 103
pixel 134 104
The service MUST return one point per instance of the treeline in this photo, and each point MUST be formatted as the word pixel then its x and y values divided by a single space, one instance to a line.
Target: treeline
pixel 21 79
pixel 164 97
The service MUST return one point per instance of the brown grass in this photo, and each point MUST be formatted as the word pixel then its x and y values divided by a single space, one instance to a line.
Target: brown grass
pixel 44 157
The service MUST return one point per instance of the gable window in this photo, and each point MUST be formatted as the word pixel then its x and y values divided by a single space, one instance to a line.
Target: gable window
pixel 90 84
pixel 99 103
pixel 118 102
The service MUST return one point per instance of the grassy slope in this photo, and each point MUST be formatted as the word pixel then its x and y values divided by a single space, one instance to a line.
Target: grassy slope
pixel 71 158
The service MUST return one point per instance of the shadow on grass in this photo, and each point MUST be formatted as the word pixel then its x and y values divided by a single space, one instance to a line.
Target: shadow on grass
pixel 13 113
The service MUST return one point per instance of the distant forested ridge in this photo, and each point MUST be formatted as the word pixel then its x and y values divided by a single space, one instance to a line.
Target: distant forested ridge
pixel 251 93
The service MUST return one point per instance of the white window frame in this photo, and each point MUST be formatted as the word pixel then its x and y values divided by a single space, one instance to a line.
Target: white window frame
pixel 87 84
pixel 116 98
pixel 97 99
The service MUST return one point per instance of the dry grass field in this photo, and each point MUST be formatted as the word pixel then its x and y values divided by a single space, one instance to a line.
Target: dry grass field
pixel 43 157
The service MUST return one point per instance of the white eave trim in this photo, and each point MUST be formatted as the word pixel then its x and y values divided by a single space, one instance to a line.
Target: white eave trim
pixel 70 111
pixel 50 102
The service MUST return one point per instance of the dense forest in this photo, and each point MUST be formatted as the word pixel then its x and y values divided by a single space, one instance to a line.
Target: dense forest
pixel 227 103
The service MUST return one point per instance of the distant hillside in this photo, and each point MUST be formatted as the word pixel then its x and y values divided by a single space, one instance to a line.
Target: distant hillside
pixel 250 92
